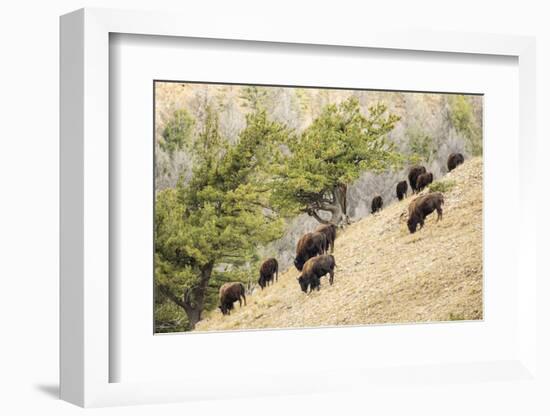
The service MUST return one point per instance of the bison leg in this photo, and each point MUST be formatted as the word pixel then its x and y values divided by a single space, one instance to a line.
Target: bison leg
pixel 244 298
pixel 240 302
pixel 312 285
pixel 331 278
pixel 439 213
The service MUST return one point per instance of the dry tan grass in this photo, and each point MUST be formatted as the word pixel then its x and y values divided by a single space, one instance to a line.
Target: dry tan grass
pixel 384 274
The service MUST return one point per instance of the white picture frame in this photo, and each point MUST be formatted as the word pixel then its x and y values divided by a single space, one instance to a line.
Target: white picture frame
pixel 85 164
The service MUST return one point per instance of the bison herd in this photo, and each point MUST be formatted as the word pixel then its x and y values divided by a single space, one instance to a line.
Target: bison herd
pixel 313 260
pixel 315 264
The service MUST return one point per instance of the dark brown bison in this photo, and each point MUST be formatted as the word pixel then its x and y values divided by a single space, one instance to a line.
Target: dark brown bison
pixel 229 294
pixel 423 206
pixel 424 180
pixel 414 173
pixel 310 245
pixel 454 160
pixel 376 204
pixel 269 272
pixel 401 190
pixel 329 230
pixel 314 269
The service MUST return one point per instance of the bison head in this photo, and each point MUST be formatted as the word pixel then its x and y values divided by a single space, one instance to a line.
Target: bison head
pixel 411 223
pixel 299 264
pixel 304 283
pixel 226 307
pixel 311 282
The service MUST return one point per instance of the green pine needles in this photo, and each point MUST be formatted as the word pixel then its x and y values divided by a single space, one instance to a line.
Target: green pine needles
pixel 211 226
pixel 329 155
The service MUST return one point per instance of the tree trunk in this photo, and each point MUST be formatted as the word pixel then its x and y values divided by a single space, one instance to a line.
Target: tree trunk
pixel 196 296
pixel 192 301
pixel 193 316
pixel 337 207
pixel 341 196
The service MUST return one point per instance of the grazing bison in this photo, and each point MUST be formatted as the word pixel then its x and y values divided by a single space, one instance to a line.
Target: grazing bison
pixel 423 206
pixel 310 245
pixel 376 204
pixel 269 272
pixel 329 230
pixel 314 269
pixel 401 190
pixel 454 160
pixel 414 173
pixel 424 180
pixel 229 294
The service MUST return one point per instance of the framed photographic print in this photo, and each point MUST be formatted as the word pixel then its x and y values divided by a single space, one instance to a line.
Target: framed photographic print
pixel 271 195
pixel 261 191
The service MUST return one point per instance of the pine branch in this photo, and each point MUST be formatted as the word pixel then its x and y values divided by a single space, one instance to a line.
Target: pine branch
pixel 314 214
pixel 172 297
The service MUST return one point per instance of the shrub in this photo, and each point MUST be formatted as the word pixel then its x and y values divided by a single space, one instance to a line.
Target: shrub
pixel 421 144
pixel 463 120
pixel 441 186
pixel 456 317
pixel 170 318
pixel 177 132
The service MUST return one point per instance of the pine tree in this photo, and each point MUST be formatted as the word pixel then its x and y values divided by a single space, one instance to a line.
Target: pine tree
pixel 329 155
pixel 208 228
pixel 255 98
pixel 177 132
pixel 461 114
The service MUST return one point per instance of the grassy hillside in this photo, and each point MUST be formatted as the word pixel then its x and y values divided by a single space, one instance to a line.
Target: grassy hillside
pixel 384 274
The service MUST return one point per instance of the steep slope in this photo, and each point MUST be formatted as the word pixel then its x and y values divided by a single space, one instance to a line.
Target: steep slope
pixel 384 274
